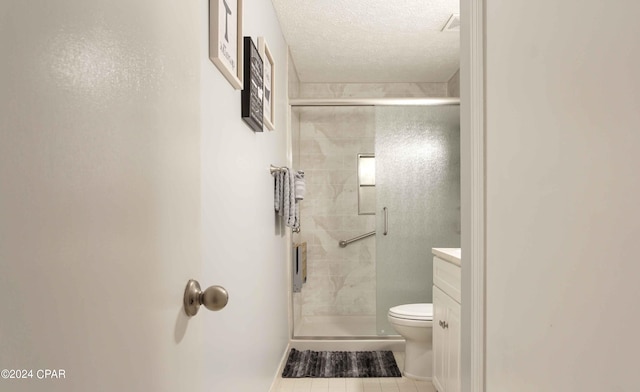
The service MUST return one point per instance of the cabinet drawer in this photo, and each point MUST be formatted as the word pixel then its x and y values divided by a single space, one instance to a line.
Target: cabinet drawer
pixel 446 276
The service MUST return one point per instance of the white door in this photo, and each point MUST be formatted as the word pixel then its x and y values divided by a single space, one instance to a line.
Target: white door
pixel 99 195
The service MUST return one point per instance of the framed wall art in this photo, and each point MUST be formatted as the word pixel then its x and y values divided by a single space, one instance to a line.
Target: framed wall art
pixel 269 84
pixel 225 39
pixel 252 92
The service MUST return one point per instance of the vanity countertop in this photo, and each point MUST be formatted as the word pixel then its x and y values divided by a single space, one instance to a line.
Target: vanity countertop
pixel 451 255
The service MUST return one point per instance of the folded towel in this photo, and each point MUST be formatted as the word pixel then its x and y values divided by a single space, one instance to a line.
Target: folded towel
pixel 300 185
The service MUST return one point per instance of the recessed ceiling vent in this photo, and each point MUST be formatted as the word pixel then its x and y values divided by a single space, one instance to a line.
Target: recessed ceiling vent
pixel 453 24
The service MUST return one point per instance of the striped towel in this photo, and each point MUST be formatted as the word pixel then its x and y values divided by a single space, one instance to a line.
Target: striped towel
pixel 285 202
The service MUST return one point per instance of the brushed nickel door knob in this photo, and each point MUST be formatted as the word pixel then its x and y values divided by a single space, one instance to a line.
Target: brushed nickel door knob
pixel 214 298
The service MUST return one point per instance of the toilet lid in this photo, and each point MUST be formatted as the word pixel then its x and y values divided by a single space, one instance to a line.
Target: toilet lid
pixel 413 311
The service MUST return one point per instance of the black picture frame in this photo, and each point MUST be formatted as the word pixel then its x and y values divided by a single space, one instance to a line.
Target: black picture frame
pixel 252 92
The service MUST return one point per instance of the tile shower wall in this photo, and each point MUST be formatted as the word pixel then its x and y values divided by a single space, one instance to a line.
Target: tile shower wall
pixel 341 281
pixel 372 90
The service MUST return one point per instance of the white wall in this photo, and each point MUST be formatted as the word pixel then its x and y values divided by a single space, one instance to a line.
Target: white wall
pixel 563 223
pixel 243 248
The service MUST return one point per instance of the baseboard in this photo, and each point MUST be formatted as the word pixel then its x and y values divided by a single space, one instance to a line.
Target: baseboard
pixel 283 361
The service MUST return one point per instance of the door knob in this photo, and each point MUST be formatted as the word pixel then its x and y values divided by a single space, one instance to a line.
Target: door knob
pixel 214 298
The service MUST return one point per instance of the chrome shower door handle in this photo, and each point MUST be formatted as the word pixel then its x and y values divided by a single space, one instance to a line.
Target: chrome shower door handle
pixel 385 212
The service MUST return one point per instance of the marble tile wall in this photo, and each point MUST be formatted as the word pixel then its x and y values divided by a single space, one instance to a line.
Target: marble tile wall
pixel 372 90
pixel 340 281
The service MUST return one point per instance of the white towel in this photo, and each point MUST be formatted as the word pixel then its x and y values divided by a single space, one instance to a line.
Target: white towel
pixel 300 185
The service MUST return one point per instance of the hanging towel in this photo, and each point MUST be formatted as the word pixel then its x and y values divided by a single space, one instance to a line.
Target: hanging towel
pixel 296 224
pixel 300 185
pixel 290 193
pixel 280 187
pixel 285 200
pixel 277 197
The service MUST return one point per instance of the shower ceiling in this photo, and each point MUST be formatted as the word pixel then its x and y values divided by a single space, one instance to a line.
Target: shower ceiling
pixel 371 41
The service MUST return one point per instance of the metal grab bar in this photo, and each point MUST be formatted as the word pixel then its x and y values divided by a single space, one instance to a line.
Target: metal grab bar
pixel 343 243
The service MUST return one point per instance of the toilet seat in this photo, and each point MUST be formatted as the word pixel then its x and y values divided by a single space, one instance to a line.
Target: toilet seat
pixel 418 312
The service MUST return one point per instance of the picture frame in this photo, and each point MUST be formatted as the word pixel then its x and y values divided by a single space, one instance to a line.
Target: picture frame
pixel 253 90
pixel 225 39
pixel 269 84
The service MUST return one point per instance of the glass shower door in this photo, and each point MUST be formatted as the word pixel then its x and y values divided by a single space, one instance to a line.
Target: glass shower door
pixel 417 150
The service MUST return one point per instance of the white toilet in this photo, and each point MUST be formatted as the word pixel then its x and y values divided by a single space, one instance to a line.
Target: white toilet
pixel 414 322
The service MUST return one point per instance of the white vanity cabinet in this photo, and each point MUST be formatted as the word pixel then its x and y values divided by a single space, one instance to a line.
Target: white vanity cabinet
pixel 446 321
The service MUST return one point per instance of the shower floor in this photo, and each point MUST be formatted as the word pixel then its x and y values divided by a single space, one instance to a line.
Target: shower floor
pixel 336 326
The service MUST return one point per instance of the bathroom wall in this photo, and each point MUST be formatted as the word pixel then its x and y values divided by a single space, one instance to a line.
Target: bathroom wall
pixel 294 79
pixel 562 191
pixel 244 247
pixel 453 85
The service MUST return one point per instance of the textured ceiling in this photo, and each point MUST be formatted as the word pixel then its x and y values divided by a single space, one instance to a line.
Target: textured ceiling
pixel 370 41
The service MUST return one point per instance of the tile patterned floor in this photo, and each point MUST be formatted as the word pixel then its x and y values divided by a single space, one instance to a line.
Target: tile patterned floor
pixel 354 384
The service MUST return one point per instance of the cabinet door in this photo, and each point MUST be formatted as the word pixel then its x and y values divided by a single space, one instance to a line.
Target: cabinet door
pixel 440 350
pixel 452 333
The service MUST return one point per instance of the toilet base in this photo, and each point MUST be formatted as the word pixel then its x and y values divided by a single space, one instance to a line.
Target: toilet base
pixel 418 360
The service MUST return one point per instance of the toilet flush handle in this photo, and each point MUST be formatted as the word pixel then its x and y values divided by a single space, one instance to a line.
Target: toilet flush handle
pixel 214 298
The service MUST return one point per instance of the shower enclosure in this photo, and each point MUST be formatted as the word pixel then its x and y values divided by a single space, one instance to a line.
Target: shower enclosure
pixel 385 168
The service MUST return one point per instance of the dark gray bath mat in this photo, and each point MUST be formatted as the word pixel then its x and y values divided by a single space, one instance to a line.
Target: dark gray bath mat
pixel 338 364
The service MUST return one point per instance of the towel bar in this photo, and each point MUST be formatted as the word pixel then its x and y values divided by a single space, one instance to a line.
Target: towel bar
pixel 276 169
